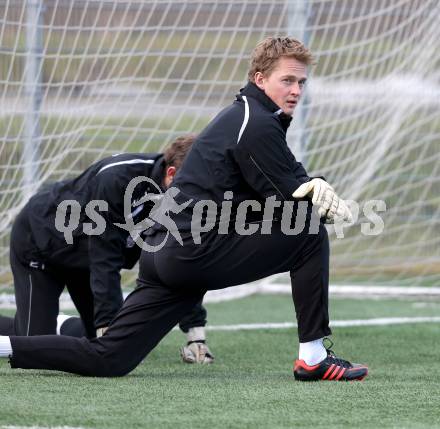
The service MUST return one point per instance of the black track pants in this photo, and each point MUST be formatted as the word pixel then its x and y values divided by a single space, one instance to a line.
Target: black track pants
pixel 147 315
pixel 37 295
pixel 222 261
pixel 171 282
pixel 196 317
pixel 38 288
pixel 74 326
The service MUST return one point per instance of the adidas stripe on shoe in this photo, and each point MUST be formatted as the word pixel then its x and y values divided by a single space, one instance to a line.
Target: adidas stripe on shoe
pixel 331 368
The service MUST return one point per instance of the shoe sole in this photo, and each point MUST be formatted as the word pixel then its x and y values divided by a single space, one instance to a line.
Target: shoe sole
pixel 359 378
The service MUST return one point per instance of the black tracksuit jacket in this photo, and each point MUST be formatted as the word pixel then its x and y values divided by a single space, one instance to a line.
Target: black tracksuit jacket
pixel 243 150
pixel 105 254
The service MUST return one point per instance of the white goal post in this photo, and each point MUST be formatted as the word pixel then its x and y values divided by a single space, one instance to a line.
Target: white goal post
pixel 83 79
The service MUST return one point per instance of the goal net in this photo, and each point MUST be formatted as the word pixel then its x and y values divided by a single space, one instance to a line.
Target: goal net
pixel 83 79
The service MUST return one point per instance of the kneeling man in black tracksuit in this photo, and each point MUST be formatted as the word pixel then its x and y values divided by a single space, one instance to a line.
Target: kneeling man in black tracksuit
pixel 66 236
pixel 227 220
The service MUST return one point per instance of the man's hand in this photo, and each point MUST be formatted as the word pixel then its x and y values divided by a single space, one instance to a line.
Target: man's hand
pixel 324 197
pixel 196 352
pixel 101 331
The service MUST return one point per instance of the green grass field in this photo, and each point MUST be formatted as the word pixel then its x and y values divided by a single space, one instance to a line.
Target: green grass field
pixel 250 385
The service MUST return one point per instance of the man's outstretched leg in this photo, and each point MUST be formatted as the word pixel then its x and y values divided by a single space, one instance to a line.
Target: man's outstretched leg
pixel 147 315
pixel 192 325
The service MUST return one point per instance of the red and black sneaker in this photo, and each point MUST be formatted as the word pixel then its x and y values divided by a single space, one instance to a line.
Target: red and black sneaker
pixel 331 368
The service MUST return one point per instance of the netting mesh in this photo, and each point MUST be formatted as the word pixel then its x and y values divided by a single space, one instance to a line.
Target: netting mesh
pixel 84 79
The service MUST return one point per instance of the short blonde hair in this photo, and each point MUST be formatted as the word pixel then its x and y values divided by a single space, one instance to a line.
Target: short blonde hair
pixel 266 54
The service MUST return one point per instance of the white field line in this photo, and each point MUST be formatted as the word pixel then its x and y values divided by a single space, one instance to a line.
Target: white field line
pixel 382 321
pixel 267 287
pixel 39 427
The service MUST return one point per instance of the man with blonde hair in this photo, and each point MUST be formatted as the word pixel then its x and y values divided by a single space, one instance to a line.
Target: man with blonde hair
pixel 233 202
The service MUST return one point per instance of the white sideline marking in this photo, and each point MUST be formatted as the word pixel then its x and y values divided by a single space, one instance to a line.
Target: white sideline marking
pixel 39 427
pixel 267 287
pixel 381 321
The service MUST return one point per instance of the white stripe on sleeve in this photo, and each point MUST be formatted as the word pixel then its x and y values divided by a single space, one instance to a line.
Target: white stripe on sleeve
pixel 130 161
pixel 246 118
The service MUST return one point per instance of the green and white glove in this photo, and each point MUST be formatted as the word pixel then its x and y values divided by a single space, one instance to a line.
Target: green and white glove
pixel 325 199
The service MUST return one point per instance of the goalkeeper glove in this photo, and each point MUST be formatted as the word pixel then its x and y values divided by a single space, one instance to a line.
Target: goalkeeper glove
pixel 325 198
pixel 196 352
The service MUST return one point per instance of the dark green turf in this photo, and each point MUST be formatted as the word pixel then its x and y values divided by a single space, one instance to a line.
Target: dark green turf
pixel 279 308
pixel 250 385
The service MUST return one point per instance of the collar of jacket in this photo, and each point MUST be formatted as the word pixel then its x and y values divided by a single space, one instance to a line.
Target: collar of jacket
pixel 253 91
pixel 158 172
